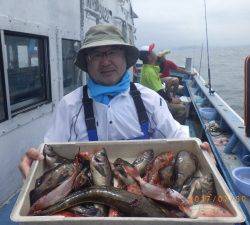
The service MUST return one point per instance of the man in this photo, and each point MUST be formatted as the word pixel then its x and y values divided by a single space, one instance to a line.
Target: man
pixel 150 77
pixel 172 83
pixel 109 107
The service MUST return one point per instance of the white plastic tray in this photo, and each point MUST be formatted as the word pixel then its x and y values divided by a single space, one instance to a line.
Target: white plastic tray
pixel 126 150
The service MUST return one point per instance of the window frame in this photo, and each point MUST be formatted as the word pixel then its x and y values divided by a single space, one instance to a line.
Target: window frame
pixel 45 68
pixel 2 80
pixel 69 39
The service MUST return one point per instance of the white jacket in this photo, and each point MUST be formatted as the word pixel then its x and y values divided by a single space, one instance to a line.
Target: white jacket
pixel 116 121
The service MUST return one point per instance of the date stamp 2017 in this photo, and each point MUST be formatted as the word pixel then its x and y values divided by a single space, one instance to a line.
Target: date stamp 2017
pixel 217 198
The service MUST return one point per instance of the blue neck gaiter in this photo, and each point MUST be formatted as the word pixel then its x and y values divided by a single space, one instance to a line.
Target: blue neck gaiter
pixel 102 93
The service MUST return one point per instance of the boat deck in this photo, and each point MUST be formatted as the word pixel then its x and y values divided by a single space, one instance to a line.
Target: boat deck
pixel 226 160
pixel 6 210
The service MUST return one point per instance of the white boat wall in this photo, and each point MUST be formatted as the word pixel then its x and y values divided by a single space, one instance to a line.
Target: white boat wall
pixel 38 36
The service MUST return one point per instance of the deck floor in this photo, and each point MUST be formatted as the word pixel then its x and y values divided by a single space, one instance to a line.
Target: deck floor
pixel 6 210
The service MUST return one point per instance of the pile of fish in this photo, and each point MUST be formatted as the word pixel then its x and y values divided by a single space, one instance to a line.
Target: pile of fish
pixel 163 185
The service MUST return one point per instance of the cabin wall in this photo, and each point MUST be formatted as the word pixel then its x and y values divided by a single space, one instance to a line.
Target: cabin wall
pixel 63 14
pixel 17 134
pixel 55 20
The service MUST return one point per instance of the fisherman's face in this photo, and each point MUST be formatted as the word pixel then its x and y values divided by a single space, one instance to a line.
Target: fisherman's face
pixel 106 65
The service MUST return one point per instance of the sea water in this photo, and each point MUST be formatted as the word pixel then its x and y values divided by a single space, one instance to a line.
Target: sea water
pixel 227 70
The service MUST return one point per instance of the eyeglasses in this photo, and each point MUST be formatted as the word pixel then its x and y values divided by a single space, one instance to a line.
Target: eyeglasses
pixel 111 54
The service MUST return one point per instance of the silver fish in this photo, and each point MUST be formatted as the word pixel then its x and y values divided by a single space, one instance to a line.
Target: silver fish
pixel 202 189
pixel 50 180
pixel 166 175
pixel 57 193
pixel 187 186
pixel 185 167
pixel 100 169
pixel 101 173
pixel 143 160
pixel 51 158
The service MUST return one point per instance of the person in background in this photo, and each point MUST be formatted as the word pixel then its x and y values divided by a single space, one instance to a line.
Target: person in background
pixel 135 74
pixel 109 107
pixel 150 77
pixel 172 83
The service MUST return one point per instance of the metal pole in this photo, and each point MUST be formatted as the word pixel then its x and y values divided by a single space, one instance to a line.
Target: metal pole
pixel 247 96
pixel 201 59
pixel 208 58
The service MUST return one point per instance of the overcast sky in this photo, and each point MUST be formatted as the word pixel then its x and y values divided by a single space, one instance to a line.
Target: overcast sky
pixel 182 22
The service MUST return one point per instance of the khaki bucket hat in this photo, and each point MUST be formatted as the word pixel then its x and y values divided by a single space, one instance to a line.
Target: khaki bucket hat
pixel 103 35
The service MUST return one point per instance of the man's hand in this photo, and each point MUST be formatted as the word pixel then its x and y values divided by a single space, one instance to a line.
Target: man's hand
pixel 26 161
pixel 205 146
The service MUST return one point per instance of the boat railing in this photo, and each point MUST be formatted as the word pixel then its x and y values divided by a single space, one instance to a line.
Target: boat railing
pixel 234 153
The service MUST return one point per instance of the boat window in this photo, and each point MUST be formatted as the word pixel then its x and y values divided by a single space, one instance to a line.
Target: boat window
pixel 72 76
pixel 28 70
pixel 3 107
